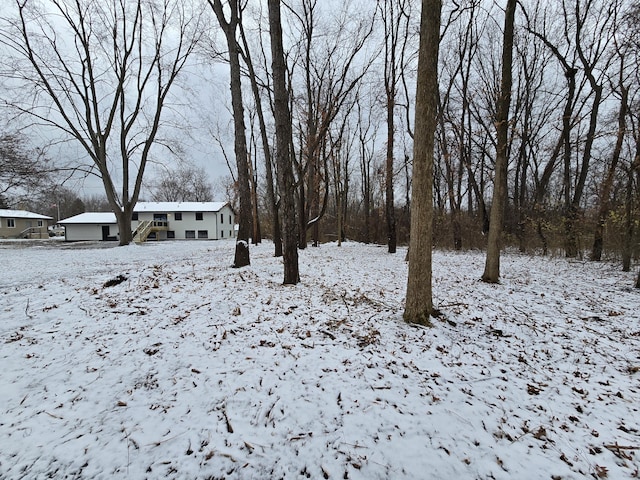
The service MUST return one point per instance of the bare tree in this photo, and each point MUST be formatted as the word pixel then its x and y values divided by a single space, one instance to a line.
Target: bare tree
pixel 21 167
pixel 455 135
pixel 272 202
pixel 419 302
pixel 607 182
pixel 100 74
pixel 284 159
pixel 56 201
pixel 492 265
pixel 367 133
pixel 333 63
pixel 631 41
pixel 183 184
pixel 395 16
pixel 230 27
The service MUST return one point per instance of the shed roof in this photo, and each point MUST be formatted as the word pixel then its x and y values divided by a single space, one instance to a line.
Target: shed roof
pixel 91 217
pixel 22 214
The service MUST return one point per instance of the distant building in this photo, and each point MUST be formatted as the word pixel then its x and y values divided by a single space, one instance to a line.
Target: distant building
pixel 157 221
pixel 23 224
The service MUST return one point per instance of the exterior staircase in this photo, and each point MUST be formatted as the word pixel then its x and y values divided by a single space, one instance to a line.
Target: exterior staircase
pixel 33 232
pixel 145 227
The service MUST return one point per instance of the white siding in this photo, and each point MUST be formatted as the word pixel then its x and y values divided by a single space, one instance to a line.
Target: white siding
pixel 217 225
pixel 209 223
pixel 78 232
pixel 226 226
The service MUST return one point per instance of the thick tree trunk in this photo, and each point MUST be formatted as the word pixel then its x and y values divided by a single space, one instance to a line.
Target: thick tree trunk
pixel 492 265
pixel 241 257
pixel 419 302
pixel 282 117
pixel 123 217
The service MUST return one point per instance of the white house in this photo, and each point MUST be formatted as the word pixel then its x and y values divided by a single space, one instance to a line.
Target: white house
pixel 23 224
pixel 159 221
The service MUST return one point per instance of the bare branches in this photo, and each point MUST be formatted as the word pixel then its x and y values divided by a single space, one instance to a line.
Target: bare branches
pixel 100 75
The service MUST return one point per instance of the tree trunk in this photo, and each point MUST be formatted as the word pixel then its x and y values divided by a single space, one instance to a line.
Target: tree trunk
pixel 390 78
pixel 419 302
pixel 492 265
pixel 284 161
pixel 389 198
pixel 230 28
pixel 256 236
pixel 124 225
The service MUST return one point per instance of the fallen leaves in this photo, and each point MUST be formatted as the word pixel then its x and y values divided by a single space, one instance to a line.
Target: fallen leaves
pixel 534 389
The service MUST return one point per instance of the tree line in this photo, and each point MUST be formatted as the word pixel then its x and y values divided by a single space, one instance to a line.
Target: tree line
pixel 536 140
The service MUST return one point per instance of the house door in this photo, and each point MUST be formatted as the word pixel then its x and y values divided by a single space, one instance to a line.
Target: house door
pixel 105 232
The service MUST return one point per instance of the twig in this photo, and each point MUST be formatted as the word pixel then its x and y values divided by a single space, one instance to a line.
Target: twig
pixel 226 419
pixel 26 310
pixel 615 446
pixel 455 304
pixel 328 334
pixel 160 442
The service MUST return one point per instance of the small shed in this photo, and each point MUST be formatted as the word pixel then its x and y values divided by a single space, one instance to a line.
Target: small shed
pixel 91 226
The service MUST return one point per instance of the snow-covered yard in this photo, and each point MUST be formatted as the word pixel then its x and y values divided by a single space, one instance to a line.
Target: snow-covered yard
pixel 190 369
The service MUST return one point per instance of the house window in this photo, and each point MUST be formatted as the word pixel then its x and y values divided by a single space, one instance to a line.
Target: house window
pixel 229 219
pixel 221 233
pixel 190 234
pixel 203 233
pixel 230 234
pixel 171 234
pixel 198 215
pixel 40 223
pixel 11 223
pixel 134 216
pixel 178 216
pixel 222 218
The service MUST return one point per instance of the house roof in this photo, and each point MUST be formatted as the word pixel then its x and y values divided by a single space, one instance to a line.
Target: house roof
pixel 163 207
pixel 22 214
pixel 91 217
pixel 145 207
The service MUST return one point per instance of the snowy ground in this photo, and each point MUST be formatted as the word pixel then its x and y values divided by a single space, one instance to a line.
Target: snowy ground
pixel 189 369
